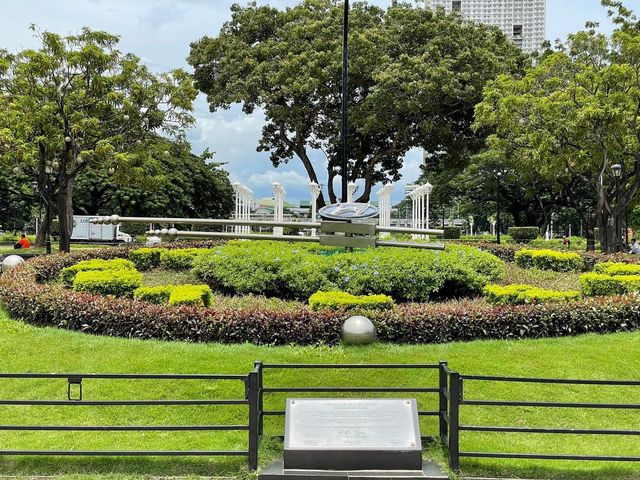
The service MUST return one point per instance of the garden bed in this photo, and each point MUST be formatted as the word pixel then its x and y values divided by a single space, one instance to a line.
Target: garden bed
pixel 28 293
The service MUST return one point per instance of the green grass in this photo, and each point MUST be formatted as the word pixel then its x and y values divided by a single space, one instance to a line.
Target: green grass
pixel 9 249
pixel 540 278
pixel 25 348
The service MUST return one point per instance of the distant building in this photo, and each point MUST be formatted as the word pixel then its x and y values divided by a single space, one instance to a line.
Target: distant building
pixel 522 21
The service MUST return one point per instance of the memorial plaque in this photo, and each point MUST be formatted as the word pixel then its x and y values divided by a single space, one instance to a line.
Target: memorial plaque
pixel 352 434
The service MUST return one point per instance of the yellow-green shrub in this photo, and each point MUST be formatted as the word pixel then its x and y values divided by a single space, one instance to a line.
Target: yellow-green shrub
pixel 549 260
pixel 120 283
pixel 617 269
pixel 146 258
pixel 159 294
pixel 194 295
pixel 335 300
pixel 180 259
pixel 595 284
pixel 521 294
pixel 68 274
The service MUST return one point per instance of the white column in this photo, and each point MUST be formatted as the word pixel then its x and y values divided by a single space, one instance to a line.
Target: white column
pixel 315 193
pixel 351 189
pixel 236 189
pixel 428 189
pixel 278 199
pixel 248 209
pixel 471 225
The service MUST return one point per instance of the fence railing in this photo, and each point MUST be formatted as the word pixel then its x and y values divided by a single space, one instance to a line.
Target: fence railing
pixel 75 398
pixel 448 397
pixel 456 424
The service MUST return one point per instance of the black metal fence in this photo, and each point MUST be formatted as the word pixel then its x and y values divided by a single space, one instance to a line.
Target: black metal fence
pixel 441 401
pixel 454 392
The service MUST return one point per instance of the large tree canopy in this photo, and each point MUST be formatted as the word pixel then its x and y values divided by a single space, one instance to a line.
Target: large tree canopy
pixel 575 115
pixel 415 77
pixel 77 103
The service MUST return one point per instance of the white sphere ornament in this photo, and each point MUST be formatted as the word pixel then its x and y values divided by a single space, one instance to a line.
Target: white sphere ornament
pixel 16 170
pixel 173 232
pixel 67 139
pixel 164 232
pixel 114 219
pixel 156 232
pixel 112 170
pixel 126 118
pixel 55 164
pixel 358 330
pixel 10 262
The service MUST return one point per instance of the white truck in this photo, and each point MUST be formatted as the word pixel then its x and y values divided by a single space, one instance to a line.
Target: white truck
pixel 85 231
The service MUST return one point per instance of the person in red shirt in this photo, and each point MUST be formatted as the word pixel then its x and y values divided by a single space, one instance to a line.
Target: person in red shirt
pixel 24 242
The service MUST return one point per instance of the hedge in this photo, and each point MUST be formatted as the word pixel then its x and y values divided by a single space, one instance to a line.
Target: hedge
pixel 159 294
pixel 51 305
pixel 521 294
pixel 524 234
pixel 180 259
pixel 614 268
pixel 146 258
pixel 451 233
pixel 295 271
pixel 595 284
pixel 342 300
pixel 549 260
pixel 119 283
pixel 195 295
pixel 68 274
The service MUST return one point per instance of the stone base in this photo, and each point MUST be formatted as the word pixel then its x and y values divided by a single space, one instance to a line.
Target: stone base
pixel 430 471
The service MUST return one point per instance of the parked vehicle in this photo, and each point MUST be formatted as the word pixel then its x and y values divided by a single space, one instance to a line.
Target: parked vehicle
pixel 85 231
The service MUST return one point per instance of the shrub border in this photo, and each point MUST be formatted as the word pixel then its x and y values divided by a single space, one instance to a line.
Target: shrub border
pixel 25 297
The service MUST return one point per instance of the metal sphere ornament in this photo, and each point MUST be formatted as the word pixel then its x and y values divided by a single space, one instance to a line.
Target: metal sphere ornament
pixel 10 262
pixel 358 330
pixel 114 219
pixel 67 139
pixel 164 232
pixel 126 118
pixel 173 232
pixel 156 232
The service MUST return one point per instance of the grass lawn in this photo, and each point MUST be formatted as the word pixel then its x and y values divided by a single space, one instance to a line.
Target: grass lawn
pixel 540 278
pixel 25 348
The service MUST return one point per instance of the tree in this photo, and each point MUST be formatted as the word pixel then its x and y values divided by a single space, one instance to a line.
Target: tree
pixel 410 84
pixel 17 201
pixel 573 116
pixel 77 104
pixel 185 185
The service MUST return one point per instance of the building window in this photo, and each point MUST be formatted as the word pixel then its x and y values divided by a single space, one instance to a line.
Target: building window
pixel 456 5
pixel 517 30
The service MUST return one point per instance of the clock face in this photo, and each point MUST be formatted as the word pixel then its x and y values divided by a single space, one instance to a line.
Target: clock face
pixel 348 211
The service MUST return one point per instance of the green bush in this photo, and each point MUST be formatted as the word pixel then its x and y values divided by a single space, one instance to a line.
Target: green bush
pixel 549 260
pixel 180 259
pixel 336 300
pixel 298 271
pixel 159 294
pixel 451 233
pixel 146 258
pixel 595 284
pixel 521 294
pixel 67 275
pixel 524 234
pixel 617 269
pixel 194 295
pixel 119 283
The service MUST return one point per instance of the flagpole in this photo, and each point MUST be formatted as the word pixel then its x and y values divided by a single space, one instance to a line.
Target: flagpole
pixel 345 99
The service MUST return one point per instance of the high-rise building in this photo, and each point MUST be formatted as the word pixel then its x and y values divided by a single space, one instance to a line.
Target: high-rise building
pixel 522 21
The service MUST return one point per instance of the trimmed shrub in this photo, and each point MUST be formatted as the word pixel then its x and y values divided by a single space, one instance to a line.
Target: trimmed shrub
pixel 52 305
pixel 296 271
pixel 595 284
pixel 336 300
pixel 617 269
pixel 68 274
pixel 451 233
pixel 119 283
pixel 521 294
pixel 158 295
pixel 146 258
pixel 193 295
pixel 180 259
pixel 524 234
pixel 549 260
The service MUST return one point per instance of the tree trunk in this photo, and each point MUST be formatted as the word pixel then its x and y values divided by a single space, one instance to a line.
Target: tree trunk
pixel 45 226
pixel 65 214
pixel 330 177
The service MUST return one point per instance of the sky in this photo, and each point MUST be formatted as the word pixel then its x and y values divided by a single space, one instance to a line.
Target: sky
pixel 160 31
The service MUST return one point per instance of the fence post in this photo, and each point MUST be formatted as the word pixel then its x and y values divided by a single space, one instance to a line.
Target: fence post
pixel 258 366
pixel 443 384
pixel 455 391
pixel 254 437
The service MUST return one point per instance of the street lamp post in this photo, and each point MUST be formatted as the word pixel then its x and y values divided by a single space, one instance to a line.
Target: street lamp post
pixel 498 175
pixel 345 97
pixel 617 173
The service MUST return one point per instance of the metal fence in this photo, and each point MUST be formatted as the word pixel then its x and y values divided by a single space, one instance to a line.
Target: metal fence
pixel 441 401
pixel 454 393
